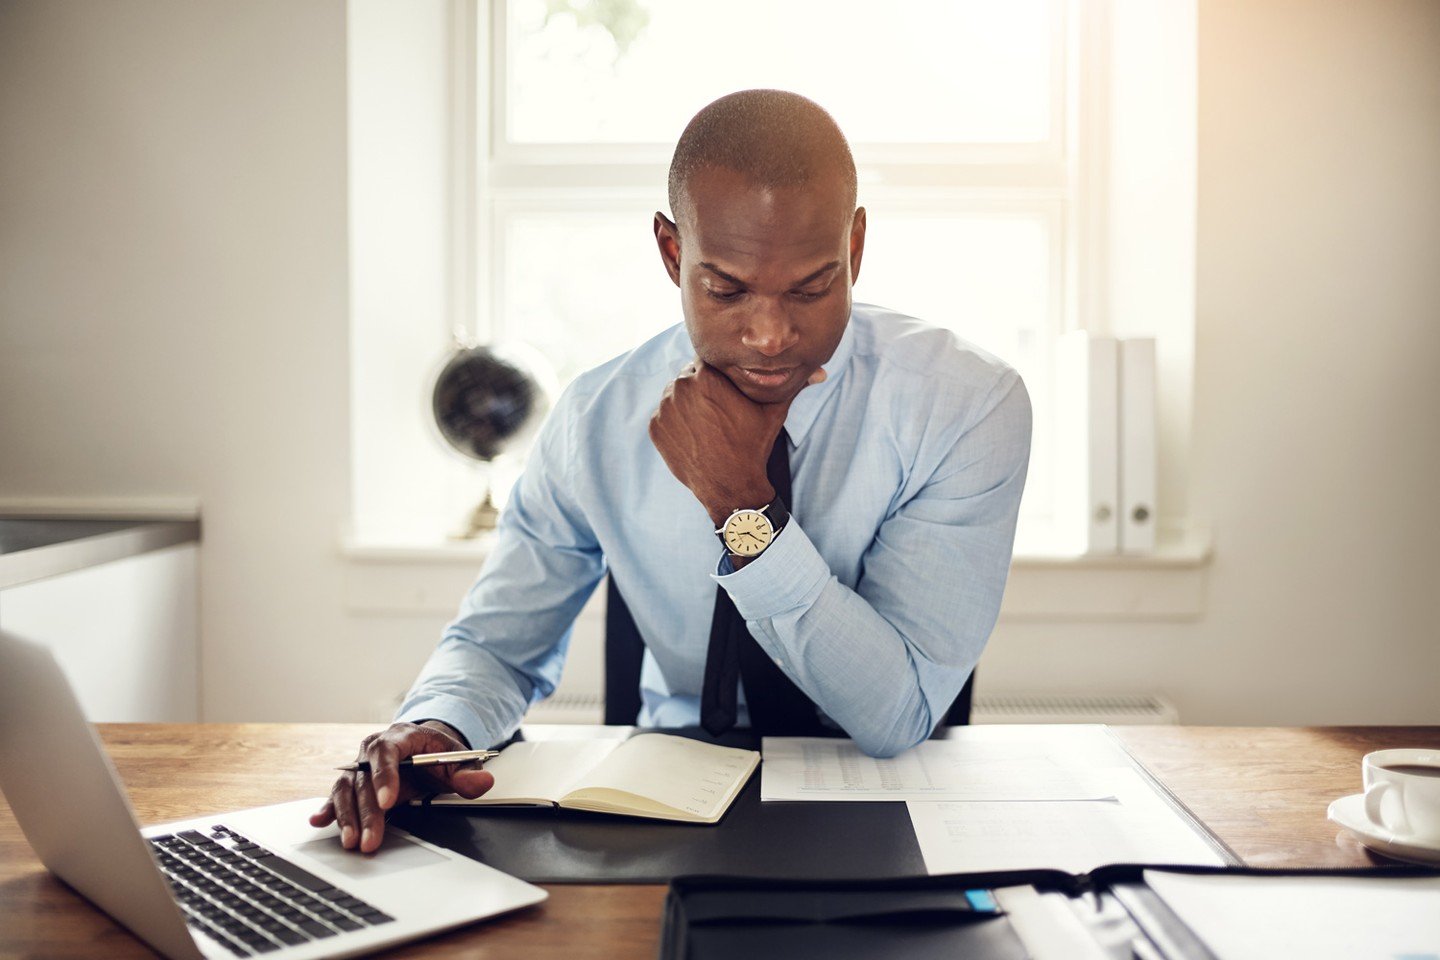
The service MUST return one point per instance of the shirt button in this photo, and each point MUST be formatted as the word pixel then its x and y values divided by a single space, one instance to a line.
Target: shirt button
pixel 779 662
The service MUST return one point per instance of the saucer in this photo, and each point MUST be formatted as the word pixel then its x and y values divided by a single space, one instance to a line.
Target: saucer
pixel 1349 812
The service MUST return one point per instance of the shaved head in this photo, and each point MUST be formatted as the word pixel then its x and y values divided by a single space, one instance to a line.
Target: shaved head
pixel 772 138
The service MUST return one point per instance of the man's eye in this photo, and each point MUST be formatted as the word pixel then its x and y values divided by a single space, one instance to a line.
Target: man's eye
pixel 806 296
pixel 726 296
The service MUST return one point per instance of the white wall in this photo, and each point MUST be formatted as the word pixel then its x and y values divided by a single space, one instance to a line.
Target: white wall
pixel 173 321
pixel 173 303
pixel 1317 443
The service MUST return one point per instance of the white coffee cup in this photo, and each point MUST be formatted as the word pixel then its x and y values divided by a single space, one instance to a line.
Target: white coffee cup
pixel 1402 793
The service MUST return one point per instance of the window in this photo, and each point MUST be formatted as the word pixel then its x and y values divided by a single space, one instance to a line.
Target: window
pixel 980 132
pixel 956 113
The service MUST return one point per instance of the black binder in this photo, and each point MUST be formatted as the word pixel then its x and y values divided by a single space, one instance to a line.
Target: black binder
pixel 824 840
pixel 919 918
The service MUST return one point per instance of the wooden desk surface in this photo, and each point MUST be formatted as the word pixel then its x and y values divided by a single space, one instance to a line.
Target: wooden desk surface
pixel 1262 790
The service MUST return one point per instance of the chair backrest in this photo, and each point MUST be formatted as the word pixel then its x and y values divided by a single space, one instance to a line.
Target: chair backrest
pixel 959 713
pixel 625 650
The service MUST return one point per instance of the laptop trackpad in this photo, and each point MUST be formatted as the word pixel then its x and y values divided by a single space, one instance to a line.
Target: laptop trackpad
pixel 396 853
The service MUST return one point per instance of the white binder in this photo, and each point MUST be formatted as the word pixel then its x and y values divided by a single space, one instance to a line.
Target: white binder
pixel 1087 448
pixel 1137 445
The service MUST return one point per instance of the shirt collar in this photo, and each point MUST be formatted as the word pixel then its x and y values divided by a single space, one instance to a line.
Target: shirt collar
pixel 806 406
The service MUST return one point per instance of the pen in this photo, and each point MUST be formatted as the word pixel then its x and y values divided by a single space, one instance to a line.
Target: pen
pixel 430 759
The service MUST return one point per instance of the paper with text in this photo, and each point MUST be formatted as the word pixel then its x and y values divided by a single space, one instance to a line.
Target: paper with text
pixel 1136 827
pixel 973 768
pixel 1319 918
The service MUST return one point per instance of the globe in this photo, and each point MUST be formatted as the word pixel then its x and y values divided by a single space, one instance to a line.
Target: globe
pixel 488 401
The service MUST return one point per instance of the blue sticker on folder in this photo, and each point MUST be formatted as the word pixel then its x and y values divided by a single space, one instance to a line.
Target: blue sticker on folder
pixel 981 901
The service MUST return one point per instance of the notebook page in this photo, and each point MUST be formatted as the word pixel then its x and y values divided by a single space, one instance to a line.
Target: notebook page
pixel 697 778
pixel 546 770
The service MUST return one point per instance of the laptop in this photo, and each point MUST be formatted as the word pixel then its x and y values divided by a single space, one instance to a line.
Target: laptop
pixel 257 882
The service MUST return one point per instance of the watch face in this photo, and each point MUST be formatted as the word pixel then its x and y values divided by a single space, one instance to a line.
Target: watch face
pixel 748 532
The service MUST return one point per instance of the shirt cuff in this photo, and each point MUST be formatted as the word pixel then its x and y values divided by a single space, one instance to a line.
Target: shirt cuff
pixel 451 711
pixel 789 574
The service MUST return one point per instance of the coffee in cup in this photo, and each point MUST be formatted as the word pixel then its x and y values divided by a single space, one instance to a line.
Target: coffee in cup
pixel 1402 793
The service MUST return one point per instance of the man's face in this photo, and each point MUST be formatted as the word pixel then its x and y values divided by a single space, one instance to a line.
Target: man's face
pixel 764 276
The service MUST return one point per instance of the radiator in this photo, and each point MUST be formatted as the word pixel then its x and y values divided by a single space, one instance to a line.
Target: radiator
pixel 1015 708
pixel 569 708
pixel 1022 708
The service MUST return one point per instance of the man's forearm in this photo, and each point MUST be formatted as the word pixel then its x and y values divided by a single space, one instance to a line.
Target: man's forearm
pixel 468 689
pixel 847 657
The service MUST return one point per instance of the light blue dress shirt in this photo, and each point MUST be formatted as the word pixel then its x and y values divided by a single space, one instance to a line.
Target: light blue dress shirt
pixel 876 599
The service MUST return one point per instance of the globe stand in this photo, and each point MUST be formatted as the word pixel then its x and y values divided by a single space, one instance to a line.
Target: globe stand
pixel 486 401
pixel 483 519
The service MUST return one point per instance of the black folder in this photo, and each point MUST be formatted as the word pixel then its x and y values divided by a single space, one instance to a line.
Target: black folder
pixel 920 918
pixel 825 840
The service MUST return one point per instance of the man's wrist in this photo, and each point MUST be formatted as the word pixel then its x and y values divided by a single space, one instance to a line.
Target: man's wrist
pixel 751 496
pixel 445 728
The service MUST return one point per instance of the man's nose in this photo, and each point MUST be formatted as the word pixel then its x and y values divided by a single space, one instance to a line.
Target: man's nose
pixel 769 330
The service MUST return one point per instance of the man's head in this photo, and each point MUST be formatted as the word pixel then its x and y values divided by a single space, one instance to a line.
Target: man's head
pixel 766 240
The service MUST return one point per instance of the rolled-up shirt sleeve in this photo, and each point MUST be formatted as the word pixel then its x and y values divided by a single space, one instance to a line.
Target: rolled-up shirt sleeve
pixel 886 659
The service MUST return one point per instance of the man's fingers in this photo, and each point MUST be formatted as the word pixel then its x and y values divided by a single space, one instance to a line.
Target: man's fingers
pixel 324 816
pixel 342 802
pixel 384 759
pixel 358 801
pixel 372 818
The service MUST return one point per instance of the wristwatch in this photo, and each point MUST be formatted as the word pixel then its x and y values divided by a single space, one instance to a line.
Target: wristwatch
pixel 747 532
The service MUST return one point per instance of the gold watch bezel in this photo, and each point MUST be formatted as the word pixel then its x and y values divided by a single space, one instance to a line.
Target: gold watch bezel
pixel 751 541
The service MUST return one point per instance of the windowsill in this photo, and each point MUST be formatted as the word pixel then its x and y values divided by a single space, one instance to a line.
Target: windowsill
pixel 427 577
pixel 1175 550
pixel 1178 546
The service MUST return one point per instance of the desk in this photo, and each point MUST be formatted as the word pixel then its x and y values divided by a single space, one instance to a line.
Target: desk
pixel 1262 790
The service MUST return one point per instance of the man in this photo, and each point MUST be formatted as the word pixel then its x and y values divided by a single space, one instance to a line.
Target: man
pixel 857 600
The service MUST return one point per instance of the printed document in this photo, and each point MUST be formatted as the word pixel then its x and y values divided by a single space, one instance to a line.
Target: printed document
pixel 1319 918
pixel 1077 836
pixel 973 767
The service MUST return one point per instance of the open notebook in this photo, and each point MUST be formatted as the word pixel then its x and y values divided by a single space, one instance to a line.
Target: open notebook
pixel 650 775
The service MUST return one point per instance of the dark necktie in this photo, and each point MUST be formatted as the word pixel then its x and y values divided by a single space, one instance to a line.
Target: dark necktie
pixel 777 706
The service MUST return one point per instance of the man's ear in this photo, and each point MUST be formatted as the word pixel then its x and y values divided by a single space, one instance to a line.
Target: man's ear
pixel 667 238
pixel 857 243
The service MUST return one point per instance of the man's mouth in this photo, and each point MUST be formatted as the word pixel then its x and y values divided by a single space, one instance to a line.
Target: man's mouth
pixel 768 376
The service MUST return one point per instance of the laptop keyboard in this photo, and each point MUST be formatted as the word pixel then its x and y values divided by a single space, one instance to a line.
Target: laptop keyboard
pixel 251 900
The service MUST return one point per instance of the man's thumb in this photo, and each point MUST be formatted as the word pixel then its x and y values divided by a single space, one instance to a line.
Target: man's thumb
pixel 471 783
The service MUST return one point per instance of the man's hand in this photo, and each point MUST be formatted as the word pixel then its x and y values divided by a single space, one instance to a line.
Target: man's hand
pixel 716 440
pixel 358 800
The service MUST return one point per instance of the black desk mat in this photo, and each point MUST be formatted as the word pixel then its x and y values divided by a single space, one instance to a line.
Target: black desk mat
pixel 818 840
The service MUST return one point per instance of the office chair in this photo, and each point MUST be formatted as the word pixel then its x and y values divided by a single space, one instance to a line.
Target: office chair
pixel 624 651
